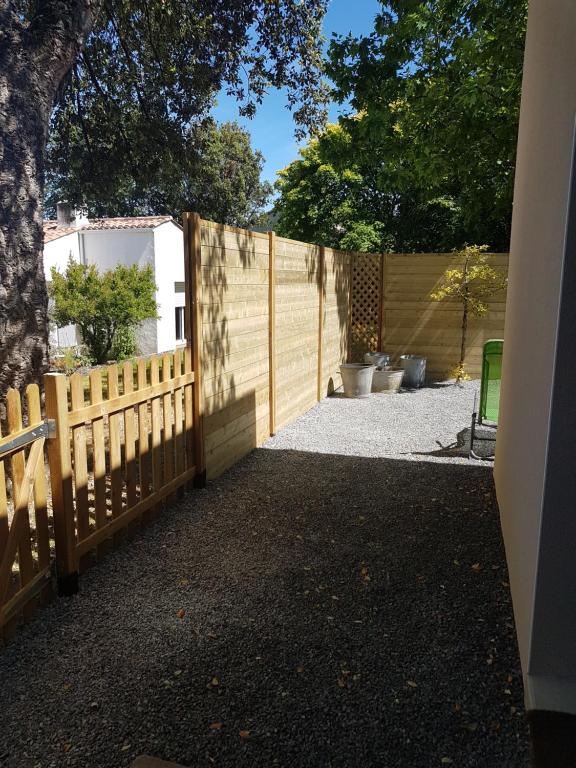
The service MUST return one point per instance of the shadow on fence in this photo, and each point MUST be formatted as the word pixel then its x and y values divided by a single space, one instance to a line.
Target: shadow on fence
pixel 272 316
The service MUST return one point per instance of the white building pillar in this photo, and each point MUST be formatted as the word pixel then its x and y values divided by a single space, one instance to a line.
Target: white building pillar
pixel 535 467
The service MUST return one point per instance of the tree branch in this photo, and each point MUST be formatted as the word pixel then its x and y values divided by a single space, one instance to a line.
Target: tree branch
pixel 129 62
pixel 57 33
pixel 80 112
pixel 107 98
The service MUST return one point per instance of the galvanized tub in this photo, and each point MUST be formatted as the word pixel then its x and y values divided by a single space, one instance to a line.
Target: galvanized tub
pixel 357 379
pixel 387 380
pixel 414 370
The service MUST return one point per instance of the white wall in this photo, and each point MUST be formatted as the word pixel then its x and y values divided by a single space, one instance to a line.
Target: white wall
pixel 57 254
pixel 535 466
pixel 169 269
pixel 162 248
pixel 110 247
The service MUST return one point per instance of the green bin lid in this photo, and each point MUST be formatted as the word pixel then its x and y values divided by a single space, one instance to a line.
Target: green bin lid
pixel 493 347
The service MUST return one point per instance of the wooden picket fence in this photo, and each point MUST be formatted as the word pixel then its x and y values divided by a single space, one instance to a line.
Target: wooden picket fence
pixel 121 442
pixel 25 537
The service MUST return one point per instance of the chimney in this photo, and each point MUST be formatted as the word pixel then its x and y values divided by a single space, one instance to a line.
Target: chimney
pixel 63 214
pixel 80 218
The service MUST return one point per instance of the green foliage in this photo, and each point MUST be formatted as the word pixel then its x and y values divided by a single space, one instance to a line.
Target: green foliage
pixel 472 285
pixel 474 282
pixel 124 346
pixel 130 122
pixel 103 305
pixel 340 194
pixel 429 151
pixel 69 359
pixel 216 173
pixel 362 237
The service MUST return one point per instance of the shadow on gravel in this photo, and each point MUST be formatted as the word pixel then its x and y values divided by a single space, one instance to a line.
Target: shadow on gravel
pixel 484 445
pixel 304 610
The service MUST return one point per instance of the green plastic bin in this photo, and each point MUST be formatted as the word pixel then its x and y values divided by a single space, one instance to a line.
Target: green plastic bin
pixel 490 382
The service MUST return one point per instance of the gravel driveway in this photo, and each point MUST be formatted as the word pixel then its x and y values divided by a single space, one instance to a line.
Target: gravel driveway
pixel 338 599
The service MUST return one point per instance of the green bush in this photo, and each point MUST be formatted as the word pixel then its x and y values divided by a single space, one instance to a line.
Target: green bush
pixel 106 307
pixel 124 345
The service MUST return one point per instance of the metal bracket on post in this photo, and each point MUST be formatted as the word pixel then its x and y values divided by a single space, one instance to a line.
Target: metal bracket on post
pixel 15 442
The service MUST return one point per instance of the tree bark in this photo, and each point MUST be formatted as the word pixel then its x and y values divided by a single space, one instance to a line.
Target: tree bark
pixel 34 58
pixel 463 340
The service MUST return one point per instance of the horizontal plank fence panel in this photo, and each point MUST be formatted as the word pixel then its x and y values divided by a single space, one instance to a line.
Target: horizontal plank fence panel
pixel 268 306
pixel 414 324
pixel 234 333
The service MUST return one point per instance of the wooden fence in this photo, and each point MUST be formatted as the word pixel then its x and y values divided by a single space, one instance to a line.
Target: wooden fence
pixel 25 536
pixel 268 323
pixel 272 320
pixel 392 310
pixel 121 442
pixel 276 317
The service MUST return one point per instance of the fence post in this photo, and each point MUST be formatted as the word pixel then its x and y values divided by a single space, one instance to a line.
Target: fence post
pixel 272 330
pixel 321 263
pixel 193 288
pixel 61 483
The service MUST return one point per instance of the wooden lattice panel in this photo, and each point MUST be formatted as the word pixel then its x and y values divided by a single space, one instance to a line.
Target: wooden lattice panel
pixel 365 299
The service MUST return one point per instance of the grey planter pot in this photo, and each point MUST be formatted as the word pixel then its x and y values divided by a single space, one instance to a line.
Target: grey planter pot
pixel 379 359
pixel 414 370
pixel 388 380
pixel 357 379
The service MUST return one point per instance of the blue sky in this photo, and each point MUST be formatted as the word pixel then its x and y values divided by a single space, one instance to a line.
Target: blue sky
pixel 272 129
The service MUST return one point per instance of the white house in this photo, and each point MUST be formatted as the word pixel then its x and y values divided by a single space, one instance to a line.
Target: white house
pixel 150 240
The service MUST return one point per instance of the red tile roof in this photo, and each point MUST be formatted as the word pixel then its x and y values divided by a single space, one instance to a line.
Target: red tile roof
pixel 52 231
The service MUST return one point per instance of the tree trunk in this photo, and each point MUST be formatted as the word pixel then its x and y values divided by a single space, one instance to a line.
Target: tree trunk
pixel 465 302
pixel 463 340
pixel 24 115
pixel 34 57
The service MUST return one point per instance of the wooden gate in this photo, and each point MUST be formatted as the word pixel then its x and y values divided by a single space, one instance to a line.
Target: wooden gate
pixel 125 443
pixel 25 541
pixel 122 442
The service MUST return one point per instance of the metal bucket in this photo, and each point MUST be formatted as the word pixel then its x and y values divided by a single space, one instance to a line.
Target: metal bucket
pixel 379 359
pixel 414 370
pixel 388 380
pixel 357 379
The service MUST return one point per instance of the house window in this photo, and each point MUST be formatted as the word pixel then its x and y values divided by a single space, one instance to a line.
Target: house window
pixel 179 317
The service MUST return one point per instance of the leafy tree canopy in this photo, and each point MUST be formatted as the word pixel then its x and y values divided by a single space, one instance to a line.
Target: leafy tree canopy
pixel 341 195
pixel 128 133
pixel 105 306
pixel 431 145
pixel 217 174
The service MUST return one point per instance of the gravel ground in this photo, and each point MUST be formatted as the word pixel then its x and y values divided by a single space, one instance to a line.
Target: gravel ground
pixel 338 601
pixel 431 423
